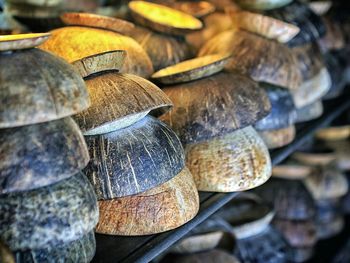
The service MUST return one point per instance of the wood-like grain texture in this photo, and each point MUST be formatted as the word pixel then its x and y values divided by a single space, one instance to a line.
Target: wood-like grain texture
pixel 215 106
pixel 106 61
pixel 48 216
pixel 298 13
pixel 191 70
pixel 163 50
pixel 283 112
pixel 197 9
pixel 22 41
pixel 160 209
pixel 81 250
pixel 163 19
pixel 97 21
pixel 278 138
pixel 235 162
pixel 6 255
pixel 38 87
pixel 118 101
pixel 134 159
pixel 73 43
pixel 265 26
pixel 211 256
pixel 262 4
pixel 38 155
pixel 310 112
pixel 262 59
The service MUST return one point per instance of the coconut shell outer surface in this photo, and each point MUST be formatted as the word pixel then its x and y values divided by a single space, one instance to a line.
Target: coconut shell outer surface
pixel 81 250
pixel 160 209
pixel 134 159
pixel 117 100
pixel 38 87
pixel 235 162
pixel 262 4
pixel 58 214
pixel 74 43
pixel 310 112
pixel 262 59
pixel 200 111
pixel 279 137
pixel 38 155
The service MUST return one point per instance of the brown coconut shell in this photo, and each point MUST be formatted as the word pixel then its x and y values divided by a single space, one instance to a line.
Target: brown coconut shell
pixel 160 209
pixel 237 161
pixel 292 170
pixel 38 87
pixel 163 19
pixel 200 111
pixel 197 9
pixel 278 138
pixel 315 157
pixel 119 100
pixel 22 41
pixel 73 43
pixel 262 59
pixel 333 133
pixel 334 38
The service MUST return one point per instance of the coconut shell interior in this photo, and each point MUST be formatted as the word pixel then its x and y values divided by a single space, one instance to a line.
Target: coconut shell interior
pixel 22 41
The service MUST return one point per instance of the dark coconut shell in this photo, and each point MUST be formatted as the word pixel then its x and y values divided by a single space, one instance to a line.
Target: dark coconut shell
pixel 235 162
pixel 278 138
pixel 343 255
pixel 290 198
pixel 172 51
pixel 300 254
pixel 298 13
pixel 73 43
pixel 160 209
pixel 310 112
pixel 262 59
pixel 38 155
pixel 262 4
pixel 211 256
pixel 283 111
pixel 81 250
pixel 22 41
pixel 38 87
pixel 336 71
pixel 6 255
pixel 334 38
pixel 64 212
pixel 200 111
pixel 134 159
pixel 269 246
pixel 119 100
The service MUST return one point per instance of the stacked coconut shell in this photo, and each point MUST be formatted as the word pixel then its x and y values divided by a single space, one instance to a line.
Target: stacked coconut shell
pixel 48 207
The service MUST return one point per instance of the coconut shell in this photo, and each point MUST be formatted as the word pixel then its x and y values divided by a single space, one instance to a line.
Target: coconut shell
pixel 235 162
pixel 342 151
pixel 336 70
pixel 133 160
pixel 38 87
pixel 6 255
pixel 334 133
pixel 262 4
pixel 63 213
pixel 81 250
pixel 197 9
pixel 320 7
pixel 262 59
pixel 163 19
pixel 118 101
pixel 278 138
pixel 174 49
pixel 200 111
pixel 160 209
pixel 73 43
pixel 211 256
pixel 334 38
pixel 283 112
pixel 298 13
pixel 310 112
pixel 191 70
pixel 291 170
pixel 329 228
pixel 22 41
pixel 38 155
pixel 320 155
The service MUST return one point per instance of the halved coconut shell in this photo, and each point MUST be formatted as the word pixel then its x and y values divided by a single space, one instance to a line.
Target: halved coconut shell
pixel 265 26
pixel 97 21
pixel 334 133
pixel 196 9
pixel 6 255
pixel 201 107
pixel 316 157
pixel 38 87
pixel 73 43
pixel 64 212
pixel 210 256
pixel 160 209
pixel 118 101
pixel 38 155
pixel 291 170
pixel 237 161
pixel 81 250
pixel 134 159
pixel 22 41
pixel 278 138
pixel 262 59
pixel 262 4
pixel 310 112
pixel 163 19
pixel 106 61
pixel 192 69
pixel 283 112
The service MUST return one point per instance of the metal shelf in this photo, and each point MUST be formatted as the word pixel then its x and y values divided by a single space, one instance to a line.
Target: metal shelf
pixel 145 248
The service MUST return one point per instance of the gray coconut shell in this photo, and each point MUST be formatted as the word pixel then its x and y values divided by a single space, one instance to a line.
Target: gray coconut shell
pixel 49 216
pixel 133 160
pixel 38 87
pixel 38 155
